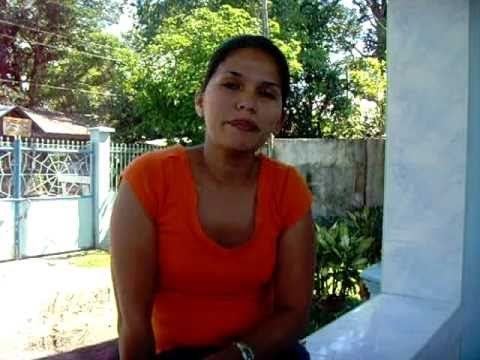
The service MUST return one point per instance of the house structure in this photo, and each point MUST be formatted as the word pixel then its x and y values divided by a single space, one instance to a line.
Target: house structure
pixel 20 121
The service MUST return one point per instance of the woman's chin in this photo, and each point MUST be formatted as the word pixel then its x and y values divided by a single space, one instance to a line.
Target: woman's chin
pixel 240 144
pixel 244 146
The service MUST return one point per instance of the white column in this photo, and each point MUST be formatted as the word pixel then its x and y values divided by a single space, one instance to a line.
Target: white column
pixel 471 260
pixel 102 199
pixel 431 247
pixel 429 307
pixel 426 158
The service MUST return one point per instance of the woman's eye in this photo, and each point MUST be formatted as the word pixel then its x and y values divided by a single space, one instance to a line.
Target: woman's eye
pixel 268 94
pixel 231 86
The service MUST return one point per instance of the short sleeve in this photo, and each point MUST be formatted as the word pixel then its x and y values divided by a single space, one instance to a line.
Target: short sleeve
pixel 296 198
pixel 141 174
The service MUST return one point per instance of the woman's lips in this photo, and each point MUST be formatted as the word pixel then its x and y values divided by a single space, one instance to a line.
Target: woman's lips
pixel 244 125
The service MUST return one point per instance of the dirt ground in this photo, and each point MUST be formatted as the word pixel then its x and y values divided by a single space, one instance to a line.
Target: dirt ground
pixel 49 305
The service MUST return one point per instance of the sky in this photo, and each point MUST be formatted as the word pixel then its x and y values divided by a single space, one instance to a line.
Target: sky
pixel 125 22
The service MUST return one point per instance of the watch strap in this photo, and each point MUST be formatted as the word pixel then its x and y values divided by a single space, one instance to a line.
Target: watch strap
pixel 245 350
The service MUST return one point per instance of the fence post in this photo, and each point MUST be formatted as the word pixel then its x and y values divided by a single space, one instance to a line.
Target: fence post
pixel 17 193
pixel 100 139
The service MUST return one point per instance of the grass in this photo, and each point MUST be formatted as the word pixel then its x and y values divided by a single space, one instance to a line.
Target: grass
pixel 91 259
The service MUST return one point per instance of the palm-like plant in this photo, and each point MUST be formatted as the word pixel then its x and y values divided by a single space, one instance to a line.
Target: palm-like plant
pixel 340 258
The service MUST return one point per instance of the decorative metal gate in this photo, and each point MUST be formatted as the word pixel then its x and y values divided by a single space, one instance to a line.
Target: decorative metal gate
pixel 43 184
pixel 121 155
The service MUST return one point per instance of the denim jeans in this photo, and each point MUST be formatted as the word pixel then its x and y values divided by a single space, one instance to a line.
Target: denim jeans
pixel 297 352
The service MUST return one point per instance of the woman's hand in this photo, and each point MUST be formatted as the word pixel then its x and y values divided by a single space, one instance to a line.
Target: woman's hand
pixel 229 353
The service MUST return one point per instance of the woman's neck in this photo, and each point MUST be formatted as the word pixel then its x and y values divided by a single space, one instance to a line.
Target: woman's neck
pixel 229 167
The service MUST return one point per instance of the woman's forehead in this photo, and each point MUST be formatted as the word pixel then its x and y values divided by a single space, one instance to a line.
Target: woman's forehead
pixel 252 64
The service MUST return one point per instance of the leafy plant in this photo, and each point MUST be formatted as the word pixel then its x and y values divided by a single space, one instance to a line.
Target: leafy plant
pixel 365 222
pixel 368 222
pixel 341 255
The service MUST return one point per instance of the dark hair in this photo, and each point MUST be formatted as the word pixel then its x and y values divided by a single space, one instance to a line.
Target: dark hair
pixel 251 42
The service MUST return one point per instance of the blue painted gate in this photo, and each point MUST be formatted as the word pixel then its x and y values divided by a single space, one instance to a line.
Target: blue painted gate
pixel 46 200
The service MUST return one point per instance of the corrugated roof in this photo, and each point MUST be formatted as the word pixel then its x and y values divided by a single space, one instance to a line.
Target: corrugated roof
pixel 5 109
pixel 55 123
pixel 49 122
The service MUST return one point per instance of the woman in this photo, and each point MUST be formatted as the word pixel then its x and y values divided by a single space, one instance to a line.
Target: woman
pixel 212 246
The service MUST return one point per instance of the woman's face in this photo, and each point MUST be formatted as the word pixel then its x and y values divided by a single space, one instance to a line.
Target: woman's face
pixel 242 103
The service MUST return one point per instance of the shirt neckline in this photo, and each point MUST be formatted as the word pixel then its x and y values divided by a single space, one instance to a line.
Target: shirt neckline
pixel 198 225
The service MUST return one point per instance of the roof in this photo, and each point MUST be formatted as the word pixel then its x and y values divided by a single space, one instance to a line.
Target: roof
pixel 5 109
pixel 50 122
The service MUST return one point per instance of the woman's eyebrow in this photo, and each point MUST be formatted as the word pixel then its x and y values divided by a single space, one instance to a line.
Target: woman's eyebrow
pixel 265 82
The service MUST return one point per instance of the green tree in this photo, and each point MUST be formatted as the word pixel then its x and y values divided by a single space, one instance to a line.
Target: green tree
pixel 323 28
pixel 152 13
pixel 368 86
pixel 374 13
pixel 368 79
pixel 35 34
pixel 102 90
pixel 320 91
pixel 174 63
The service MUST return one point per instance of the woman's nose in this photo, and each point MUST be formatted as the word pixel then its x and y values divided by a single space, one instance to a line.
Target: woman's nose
pixel 246 102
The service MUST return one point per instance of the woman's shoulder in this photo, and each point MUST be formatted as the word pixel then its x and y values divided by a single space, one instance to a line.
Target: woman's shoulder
pixel 289 190
pixel 282 175
pixel 276 167
pixel 151 174
pixel 154 164
pixel 157 159
pixel 162 153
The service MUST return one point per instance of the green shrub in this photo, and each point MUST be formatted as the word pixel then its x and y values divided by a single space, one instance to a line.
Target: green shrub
pixel 365 222
pixel 344 247
pixel 368 222
pixel 340 257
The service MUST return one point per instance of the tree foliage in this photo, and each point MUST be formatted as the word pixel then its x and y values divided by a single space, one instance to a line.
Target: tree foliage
pixel 320 91
pixel 35 34
pixel 174 63
pixel 101 86
pixel 145 86
pixel 374 13
pixel 152 13
pixel 368 87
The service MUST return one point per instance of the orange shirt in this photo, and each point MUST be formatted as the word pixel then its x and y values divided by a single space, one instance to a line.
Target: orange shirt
pixel 208 294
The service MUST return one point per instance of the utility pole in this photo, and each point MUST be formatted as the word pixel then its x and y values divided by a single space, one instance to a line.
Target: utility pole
pixel 264 10
pixel 266 33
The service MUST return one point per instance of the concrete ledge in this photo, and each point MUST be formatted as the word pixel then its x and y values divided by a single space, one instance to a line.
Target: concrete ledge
pixel 372 277
pixel 390 327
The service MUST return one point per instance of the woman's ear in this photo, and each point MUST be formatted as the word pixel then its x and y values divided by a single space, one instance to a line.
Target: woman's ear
pixel 199 104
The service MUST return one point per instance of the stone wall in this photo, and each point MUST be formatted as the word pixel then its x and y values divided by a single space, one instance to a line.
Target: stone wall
pixel 342 174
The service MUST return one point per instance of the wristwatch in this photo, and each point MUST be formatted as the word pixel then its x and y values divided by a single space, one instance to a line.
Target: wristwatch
pixel 245 350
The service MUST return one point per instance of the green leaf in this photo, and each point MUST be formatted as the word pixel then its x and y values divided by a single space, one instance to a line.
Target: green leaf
pixel 360 263
pixel 364 244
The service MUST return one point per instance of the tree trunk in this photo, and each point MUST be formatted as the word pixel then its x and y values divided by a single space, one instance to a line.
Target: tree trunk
pixel 33 78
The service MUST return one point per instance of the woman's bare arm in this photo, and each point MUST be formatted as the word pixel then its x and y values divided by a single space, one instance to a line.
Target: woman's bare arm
pixel 134 267
pixel 293 294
